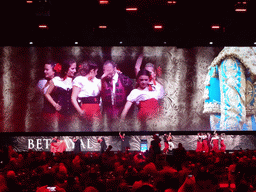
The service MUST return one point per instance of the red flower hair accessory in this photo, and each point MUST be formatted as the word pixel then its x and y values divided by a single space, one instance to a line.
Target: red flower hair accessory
pixel 57 68
pixel 159 71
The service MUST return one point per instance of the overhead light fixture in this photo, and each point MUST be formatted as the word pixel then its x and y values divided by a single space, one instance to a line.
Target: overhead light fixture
pixel 43 26
pixel 210 42
pixel 132 9
pixel 171 2
pixel 103 27
pixel 241 10
pixel 103 2
pixel 29 1
pixel 215 26
pixel 76 43
pixel 30 43
pixel 158 27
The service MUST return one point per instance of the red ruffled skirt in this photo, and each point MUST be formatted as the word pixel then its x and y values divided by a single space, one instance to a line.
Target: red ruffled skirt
pixel 222 146
pixel 199 147
pixel 92 111
pixel 58 147
pixel 148 109
pixel 205 146
pixel 215 143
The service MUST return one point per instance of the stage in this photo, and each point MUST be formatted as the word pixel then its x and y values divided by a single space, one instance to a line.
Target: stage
pixel 138 142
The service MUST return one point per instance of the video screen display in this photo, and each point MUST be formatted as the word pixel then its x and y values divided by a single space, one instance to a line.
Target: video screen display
pixel 125 88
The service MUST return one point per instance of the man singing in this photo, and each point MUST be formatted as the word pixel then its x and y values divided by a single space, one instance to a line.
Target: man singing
pixel 115 89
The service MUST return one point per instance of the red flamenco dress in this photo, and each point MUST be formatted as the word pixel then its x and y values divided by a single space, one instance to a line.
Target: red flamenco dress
pixel 222 146
pixel 199 147
pixel 205 146
pixel 148 109
pixel 215 147
pixel 58 147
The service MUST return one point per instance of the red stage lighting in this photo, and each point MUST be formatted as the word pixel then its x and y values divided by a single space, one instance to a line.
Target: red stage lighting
pixel 29 1
pixel 172 2
pixel 215 27
pixel 103 2
pixel 43 26
pixel 103 27
pixel 240 10
pixel 158 27
pixel 132 9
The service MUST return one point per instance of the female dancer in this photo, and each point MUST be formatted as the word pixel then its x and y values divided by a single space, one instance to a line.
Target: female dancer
pixel 199 147
pixel 62 88
pixel 153 75
pixel 50 70
pixel 222 144
pixel 58 145
pixel 86 91
pixel 166 144
pixel 215 142
pixel 170 139
pixel 205 144
pixel 144 96
pixel 124 142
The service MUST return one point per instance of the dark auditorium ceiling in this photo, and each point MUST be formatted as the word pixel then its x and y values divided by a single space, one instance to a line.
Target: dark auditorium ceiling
pixel 128 22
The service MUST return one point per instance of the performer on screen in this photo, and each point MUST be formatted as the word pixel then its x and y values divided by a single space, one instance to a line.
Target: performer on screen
pixel 145 96
pixel 86 92
pixel 50 71
pixel 62 87
pixel 125 145
pixel 215 142
pixel 154 81
pixel 103 145
pixel 199 147
pixel 222 143
pixel 57 145
pixel 77 147
pixel 115 88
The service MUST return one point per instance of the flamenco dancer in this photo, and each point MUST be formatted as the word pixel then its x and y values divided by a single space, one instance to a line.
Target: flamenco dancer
pixel 61 87
pixel 154 82
pixel 166 144
pixel 57 145
pixel 199 147
pixel 215 142
pixel 86 91
pixel 209 137
pixel 205 144
pixel 222 144
pixel 51 69
pixel 145 97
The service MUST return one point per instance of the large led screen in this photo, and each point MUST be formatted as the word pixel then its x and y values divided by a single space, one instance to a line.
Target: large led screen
pixel 125 88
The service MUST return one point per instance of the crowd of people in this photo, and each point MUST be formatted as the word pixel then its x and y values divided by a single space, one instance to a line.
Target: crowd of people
pixel 184 171
pixel 73 88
